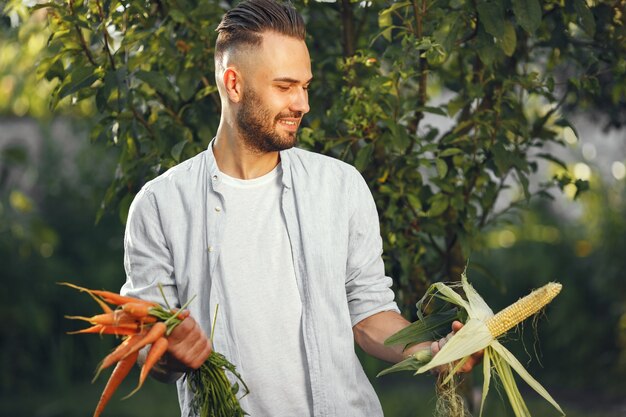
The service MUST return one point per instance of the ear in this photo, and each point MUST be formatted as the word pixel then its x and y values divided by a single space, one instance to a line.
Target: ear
pixel 233 84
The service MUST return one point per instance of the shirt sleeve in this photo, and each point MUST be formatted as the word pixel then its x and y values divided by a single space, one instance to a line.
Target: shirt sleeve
pixel 367 288
pixel 148 263
pixel 147 259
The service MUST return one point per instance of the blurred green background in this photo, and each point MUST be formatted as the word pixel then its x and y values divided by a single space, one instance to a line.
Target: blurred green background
pixel 53 181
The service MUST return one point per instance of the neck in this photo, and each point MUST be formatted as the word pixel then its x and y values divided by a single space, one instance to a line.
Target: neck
pixel 236 160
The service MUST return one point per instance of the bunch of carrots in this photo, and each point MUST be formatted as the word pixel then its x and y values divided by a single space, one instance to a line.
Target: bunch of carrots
pixel 142 323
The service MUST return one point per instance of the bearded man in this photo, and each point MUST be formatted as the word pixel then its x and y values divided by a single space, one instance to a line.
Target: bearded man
pixel 285 241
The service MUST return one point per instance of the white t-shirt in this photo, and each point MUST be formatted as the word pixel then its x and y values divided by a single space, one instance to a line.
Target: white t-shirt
pixel 263 299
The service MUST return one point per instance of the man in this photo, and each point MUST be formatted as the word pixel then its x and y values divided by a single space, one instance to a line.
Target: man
pixel 285 241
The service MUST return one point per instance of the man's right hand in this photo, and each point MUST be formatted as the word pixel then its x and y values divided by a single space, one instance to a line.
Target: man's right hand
pixel 188 346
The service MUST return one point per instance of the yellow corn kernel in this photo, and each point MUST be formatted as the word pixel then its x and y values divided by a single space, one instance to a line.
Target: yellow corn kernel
pixel 522 309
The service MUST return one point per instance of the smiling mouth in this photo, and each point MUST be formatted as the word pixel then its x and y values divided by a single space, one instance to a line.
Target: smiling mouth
pixel 289 123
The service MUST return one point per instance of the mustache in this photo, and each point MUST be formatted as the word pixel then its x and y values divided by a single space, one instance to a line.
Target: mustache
pixel 294 115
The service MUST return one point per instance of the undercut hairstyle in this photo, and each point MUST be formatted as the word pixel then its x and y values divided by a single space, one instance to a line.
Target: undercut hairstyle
pixel 245 23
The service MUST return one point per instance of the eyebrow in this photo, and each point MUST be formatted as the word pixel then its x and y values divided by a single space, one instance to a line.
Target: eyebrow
pixel 292 80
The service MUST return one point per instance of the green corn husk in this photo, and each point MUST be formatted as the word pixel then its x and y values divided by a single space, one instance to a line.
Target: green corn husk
pixel 473 337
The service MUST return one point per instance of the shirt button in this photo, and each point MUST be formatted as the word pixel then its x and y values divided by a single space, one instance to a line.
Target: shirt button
pixel 214 177
pixel 218 209
pixel 210 249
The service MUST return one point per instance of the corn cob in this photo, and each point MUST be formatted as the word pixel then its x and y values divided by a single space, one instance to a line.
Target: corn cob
pixel 522 309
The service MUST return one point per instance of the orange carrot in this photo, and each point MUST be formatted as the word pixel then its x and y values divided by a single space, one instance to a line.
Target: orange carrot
pixel 157 330
pixel 139 310
pixel 117 376
pixel 120 350
pixel 157 350
pixel 108 296
pixel 115 318
pixel 104 306
pixel 117 330
pixel 117 299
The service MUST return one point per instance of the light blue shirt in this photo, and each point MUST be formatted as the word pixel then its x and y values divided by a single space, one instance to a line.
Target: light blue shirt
pixel 173 237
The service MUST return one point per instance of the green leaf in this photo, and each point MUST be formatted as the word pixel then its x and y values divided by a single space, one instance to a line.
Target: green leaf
pixel 409 364
pixel 585 17
pixel 385 22
pixel 453 33
pixel 491 15
pixel 157 81
pixel 509 40
pixel 442 167
pixel 188 82
pixel 502 159
pixel 523 179
pixel 177 150
pixel 392 8
pixel 78 78
pixel 449 152
pixel 430 327
pixel 581 187
pixel 438 205
pixel 567 123
pixel 552 158
pixel 434 110
pixel 45 6
pixel 455 105
pixel 528 14
pixel 363 157
pixel 487 49
pixel 177 16
pixel 414 201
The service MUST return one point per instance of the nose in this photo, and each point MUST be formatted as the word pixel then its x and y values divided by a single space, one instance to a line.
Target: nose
pixel 300 101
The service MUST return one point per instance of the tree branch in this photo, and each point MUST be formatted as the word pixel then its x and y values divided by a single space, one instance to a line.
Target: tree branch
pixel 81 38
pixel 347 19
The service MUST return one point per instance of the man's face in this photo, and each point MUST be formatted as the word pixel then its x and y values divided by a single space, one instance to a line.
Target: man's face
pixel 275 96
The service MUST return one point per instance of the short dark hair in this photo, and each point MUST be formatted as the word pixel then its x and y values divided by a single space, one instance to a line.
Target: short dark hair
pixel 245 23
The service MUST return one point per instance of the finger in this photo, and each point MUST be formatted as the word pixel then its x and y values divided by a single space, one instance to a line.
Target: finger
pixel 434 347
pixel 195 357
pixel 456 326
pixel 467 366
pixel 180 332
pixel 472 361
pixel 193 349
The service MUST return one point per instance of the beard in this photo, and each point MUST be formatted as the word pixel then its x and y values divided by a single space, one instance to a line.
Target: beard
pixel 258 127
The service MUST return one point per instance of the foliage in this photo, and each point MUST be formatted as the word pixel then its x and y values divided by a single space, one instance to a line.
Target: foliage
pixel 22 91
pixel 146 67
pixel 443 106
pixel 450 104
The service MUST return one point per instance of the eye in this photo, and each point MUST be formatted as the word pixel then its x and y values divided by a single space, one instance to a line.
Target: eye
pixel 283 87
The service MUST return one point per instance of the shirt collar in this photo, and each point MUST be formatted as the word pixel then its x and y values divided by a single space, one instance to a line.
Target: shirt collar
pixel 214 172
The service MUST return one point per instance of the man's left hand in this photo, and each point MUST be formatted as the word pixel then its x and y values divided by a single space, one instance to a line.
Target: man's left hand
pixel 471 361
